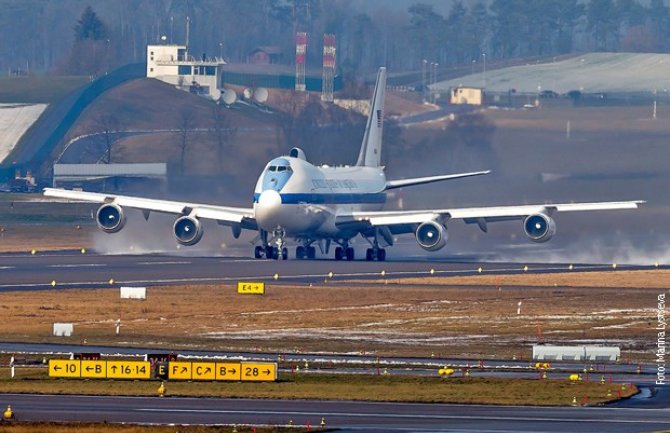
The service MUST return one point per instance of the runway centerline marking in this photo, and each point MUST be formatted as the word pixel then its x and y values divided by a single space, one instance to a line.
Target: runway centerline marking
pixel 81 265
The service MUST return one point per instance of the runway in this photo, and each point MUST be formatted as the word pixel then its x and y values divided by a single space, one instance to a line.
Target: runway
pixel 346 416
pixel 76 270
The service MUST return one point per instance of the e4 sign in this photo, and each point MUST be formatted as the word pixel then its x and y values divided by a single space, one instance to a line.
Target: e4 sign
pixel 250 288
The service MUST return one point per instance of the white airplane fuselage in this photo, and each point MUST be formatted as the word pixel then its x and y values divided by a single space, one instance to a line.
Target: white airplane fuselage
pixel 303 200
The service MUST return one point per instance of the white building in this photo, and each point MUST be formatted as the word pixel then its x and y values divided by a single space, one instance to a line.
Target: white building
pixel 174 65
pixel 576 353
pixel 467 95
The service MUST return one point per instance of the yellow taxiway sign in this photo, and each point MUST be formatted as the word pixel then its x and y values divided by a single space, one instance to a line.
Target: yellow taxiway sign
pixel 64 368
pixel 228 371
pixel 250 288
pixel 128 370
pixel 259 371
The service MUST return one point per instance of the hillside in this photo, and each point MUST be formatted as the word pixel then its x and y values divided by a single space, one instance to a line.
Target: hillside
pixel 38 89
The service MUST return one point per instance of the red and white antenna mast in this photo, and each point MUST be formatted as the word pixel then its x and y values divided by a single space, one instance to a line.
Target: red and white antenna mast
pixel 300 53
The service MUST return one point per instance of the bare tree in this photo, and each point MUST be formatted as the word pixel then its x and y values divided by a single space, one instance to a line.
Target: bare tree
pixel 223 131
pixel 289 109
pixel 108 126
pixel 184 131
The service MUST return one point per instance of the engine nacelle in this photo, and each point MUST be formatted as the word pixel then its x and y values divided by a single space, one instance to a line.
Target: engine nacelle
pixel 188 230
pixel 431 236
pixel 539 227
pixel 110 218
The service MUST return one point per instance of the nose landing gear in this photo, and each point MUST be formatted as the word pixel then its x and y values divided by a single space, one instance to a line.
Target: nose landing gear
pixel 269 251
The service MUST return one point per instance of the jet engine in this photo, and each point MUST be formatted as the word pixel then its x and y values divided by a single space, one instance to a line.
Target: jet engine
pixel 188 230
pixel 431 236
pixel 110 218
pixel 539 227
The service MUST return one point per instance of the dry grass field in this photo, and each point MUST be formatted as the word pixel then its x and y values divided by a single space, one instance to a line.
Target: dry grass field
pixel 18 427
pixel 474 317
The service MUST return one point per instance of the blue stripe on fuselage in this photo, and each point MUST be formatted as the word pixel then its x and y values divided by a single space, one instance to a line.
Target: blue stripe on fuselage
pixel 335 198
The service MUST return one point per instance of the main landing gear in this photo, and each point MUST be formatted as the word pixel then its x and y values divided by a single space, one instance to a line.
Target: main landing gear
pixel 305 252
pixel 376 253
pixel 342 253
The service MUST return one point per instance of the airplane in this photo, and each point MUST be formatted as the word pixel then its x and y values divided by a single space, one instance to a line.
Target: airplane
pixel 294 199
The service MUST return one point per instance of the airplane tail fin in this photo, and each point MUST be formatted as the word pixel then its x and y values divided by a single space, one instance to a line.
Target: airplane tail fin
pixel 371 147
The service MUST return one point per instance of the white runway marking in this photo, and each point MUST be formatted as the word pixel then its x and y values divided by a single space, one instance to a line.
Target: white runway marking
pixel 82 265
pixel 164 263
pixel 478 417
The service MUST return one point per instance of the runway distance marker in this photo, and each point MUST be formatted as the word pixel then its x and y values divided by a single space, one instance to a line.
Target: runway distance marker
pixel 94 369
pixel 259 371
pixel 128 370
pixel 64 368
pixel 203 371
pixel 250 288
pixel 228 371
pixel 179 370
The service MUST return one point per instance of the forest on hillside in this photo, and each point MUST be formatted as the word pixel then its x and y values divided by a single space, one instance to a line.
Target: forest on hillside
pixel 94 36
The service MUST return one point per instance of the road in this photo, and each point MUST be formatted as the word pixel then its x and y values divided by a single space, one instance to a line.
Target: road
pixel 345 415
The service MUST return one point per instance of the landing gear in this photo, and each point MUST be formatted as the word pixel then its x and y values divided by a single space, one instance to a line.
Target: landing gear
pixel 375 253
pixel 269 251
pixel 344 253
pixel 305 252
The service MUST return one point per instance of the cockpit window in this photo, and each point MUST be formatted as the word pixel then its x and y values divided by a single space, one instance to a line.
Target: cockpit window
pixel 273 168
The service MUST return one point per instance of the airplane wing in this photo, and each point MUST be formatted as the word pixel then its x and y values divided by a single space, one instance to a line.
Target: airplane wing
pixel 391 184
pixel 234 216
pixel 406 221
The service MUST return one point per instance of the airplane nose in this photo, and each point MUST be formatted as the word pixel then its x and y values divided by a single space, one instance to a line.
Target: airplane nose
pixel 269 199
pixel 268 208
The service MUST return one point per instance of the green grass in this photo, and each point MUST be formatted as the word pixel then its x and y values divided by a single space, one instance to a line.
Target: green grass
pixel 392 388
pixel 42 88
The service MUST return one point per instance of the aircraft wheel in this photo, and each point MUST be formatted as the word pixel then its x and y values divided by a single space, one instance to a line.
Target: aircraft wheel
pixel 284 253
pixel 259 252
pixel 311 252
pixel 369 254
pixel 339 253
pixel 381 254
pixel 300 253
pixel 269 252
pixel 349 253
